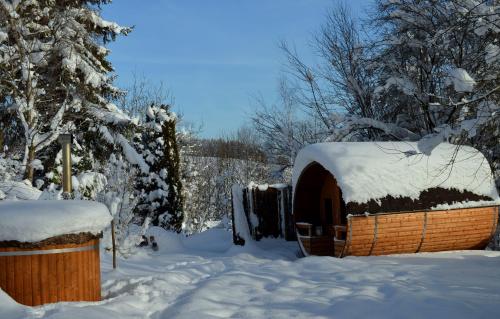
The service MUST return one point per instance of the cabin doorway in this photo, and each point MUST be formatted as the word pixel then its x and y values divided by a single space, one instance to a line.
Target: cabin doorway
pixel 330 199
pixel 333 217
pixel 319 212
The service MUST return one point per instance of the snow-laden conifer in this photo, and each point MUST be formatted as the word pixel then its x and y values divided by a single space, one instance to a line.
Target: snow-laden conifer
pixel 161 196
pixel 54 72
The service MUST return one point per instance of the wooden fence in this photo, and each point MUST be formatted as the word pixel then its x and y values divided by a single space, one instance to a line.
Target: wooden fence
pixel 268 211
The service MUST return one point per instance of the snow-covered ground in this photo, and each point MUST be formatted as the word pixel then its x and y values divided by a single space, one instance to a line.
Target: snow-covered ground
pixel 204 276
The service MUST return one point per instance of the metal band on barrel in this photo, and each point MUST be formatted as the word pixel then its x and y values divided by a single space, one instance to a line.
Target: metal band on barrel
pixel 422 237
pixel 48 251
pixel 345 250
pixel 375 236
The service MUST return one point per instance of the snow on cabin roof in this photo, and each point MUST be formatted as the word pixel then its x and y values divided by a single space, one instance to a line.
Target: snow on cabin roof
pixel 36 220
pixel 374 170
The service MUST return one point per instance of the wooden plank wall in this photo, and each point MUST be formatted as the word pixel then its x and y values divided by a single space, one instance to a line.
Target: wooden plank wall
pixel 39 279
pixel 266 206
pixel 457 229
pixel 318 246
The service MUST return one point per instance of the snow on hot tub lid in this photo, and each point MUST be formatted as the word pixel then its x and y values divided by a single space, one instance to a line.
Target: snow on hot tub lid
pixel 36 220
pixel 374 170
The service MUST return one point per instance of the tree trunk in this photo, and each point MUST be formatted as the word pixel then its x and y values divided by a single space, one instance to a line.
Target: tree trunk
pixel 29 172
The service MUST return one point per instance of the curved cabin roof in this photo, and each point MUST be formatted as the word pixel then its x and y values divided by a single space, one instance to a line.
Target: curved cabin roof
pixel 395 176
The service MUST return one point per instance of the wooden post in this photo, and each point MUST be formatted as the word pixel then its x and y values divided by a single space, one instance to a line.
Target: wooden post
pixel 113 242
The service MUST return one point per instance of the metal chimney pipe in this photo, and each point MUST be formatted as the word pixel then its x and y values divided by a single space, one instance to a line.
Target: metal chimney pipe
pixel 65 140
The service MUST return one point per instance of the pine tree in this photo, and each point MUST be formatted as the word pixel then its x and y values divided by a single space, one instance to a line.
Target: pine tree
pixel 160 196
pixel 55 76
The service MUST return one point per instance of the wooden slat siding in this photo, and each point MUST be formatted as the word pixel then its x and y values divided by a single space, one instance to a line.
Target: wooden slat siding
pixel 79 276
pixel 399 234
pixel 43 273
pixel 322 246
pixel 86 275
pixel 38 279
pixel 91 276
pixel 266 207
pixel 19 269
pixel 494 227
pixel 97 275
pixel 318 246
pixel 52 278
pixel 458 229
pixel 60 277
pixel 362 236
pixel 62 274
pixel 465 230
pixel 97 264
pixel 3 274
pixel 10 275
pixel 27 283
pixel 71 264
pixel 75 276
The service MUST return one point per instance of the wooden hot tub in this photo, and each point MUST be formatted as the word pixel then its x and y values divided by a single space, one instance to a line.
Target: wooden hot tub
pixel 62 268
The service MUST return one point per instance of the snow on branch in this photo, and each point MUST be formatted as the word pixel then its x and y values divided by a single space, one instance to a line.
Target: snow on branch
pixel 131 154
pixel 462 81
pixel 110 116
pixel 347 125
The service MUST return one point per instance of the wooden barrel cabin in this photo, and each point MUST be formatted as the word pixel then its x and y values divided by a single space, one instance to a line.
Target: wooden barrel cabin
pixel 379 198
pixel 49 250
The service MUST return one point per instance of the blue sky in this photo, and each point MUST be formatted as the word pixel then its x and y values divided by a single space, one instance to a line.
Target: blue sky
pixel 214 56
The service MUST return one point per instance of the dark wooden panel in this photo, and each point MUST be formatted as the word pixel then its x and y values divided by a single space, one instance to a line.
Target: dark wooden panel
pixel 266 206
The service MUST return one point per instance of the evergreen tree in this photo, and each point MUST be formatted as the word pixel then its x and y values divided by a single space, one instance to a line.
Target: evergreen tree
pixel 160 197
pixel 54 74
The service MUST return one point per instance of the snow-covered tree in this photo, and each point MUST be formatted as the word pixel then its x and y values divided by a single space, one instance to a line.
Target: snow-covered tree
pixel 440 66
pixel 54 72
pixel 211 168
pixel 118 195
pixel 426 71
pixel 284 130
pixel 439 58
pixel 161 197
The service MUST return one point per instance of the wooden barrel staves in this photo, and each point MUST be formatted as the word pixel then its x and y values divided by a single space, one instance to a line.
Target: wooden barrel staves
pixel 425 231
pixel 51 271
